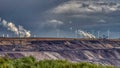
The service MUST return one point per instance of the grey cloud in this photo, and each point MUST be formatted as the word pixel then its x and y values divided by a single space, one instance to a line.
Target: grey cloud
pixel 35 14
pixel 101 21
pixel 86 7
pixel 52 23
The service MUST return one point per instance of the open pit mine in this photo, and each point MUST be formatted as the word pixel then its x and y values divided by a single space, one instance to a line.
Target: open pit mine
pixel 102 51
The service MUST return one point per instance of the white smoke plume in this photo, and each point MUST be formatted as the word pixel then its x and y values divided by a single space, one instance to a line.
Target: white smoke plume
pixel 10 26
pixel 86 34
pixel 19 31
pixel 23 32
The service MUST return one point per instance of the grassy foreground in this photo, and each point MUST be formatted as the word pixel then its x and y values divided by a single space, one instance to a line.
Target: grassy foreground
pixel 30 62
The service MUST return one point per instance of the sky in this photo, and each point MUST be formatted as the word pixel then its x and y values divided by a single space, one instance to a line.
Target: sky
pixel 53 18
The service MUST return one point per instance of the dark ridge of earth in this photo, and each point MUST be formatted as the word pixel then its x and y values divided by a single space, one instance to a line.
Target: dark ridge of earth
pixel 102 51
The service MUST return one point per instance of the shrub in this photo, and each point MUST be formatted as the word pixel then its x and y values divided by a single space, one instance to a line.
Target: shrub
pixel 30 62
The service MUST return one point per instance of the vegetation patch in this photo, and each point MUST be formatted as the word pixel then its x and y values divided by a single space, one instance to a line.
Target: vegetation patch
pixel 31 62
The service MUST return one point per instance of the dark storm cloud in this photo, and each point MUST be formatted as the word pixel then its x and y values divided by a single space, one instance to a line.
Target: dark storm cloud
pixel 26 12
pixel 36 14
pixel 84 13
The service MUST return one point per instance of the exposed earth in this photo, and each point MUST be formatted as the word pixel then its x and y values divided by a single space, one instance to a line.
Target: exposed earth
pixel 102 51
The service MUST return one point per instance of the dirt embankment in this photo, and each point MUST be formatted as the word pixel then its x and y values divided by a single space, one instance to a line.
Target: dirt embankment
pixel 102 51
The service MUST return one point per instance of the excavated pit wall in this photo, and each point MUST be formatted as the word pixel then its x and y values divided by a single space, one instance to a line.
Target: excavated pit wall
pixel 101 51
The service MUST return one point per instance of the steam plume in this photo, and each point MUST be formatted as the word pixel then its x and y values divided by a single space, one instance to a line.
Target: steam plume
pixel 19 31
pixel 10 26
pixel 86 34
pixel 23 32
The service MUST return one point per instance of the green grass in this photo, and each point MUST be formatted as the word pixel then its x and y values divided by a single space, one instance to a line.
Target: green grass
pixel 30 62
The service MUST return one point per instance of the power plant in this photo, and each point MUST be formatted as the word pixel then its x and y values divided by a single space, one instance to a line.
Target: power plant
pixel 84 46
pixel 19 31
pixel 60 33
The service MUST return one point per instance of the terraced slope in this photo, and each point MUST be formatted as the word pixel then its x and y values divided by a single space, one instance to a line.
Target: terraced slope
pixel 102 51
